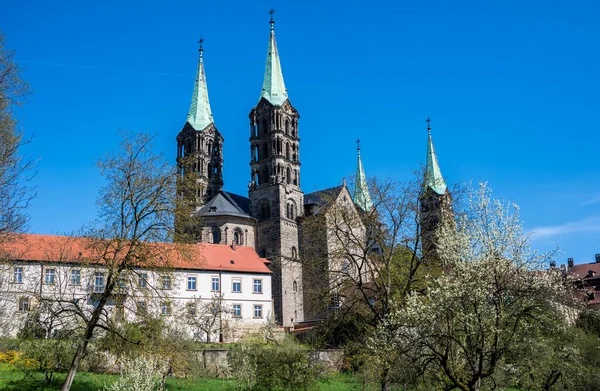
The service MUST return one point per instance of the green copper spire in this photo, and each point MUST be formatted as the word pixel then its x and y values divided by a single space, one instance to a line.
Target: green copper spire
pixel 273 88
pixel 433 174
pixel 200 115
pixel 362 197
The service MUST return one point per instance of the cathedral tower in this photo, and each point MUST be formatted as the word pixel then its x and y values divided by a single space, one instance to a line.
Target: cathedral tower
pixel 276 200
pixel 199 144
pixel 435 201
pixel 362 197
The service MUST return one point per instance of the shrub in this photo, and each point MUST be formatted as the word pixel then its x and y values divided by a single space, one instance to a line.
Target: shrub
pixel 274 366
pixel 138 374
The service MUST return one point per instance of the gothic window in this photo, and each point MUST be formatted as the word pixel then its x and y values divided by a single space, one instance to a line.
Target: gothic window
pixel 238 237
pixel 287 151
pixel 294 254
pixel 289 176
pixel 264 126
pixel 253 129
pixel 287 127
pixel 265 151
pixel 295 286
pixel 216 235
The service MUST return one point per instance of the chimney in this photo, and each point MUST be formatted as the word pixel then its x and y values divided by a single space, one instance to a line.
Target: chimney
pixel 233 246
pixel 571 262
pixel 597 258
pixel 552 264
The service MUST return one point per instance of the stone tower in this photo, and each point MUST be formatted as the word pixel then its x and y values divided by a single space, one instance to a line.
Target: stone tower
pixel 435 201
pixel 276 200
pixel 199 144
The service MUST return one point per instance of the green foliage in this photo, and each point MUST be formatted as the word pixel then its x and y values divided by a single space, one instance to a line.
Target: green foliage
pixel 589 321
pixel 138 374
pixel 260 366
pixel 173 349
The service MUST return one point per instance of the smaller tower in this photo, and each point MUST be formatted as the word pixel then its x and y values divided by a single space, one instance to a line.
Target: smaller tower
pixel 362 197
pixel 435 201
pixel 200 145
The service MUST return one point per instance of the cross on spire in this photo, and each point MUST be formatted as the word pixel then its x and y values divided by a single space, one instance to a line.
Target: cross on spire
pixel 358 144
pixel 272 22
pixel 428 120
pixel 201 41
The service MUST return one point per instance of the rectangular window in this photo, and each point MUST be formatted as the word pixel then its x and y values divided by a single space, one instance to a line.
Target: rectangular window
pixel 75 277
pixel 18 275
pixel 121 283
pixel 257 286
pixel 257 311
pixel 165 282
pixel 49 276
pixel 165 308
pixel 215 284
pixel 191 309
pixel 236 285
pixel 237 310
pixel 119 313
pixel 191 283
pixel 98 282
pixel 24 304
pixel 141 308
pixel 143 280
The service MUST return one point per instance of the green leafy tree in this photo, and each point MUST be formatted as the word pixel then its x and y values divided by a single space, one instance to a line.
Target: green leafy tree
pixel 493 300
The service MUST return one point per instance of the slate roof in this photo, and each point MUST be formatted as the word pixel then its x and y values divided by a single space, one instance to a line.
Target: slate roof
pixel 241 201
pixel 223 204
pixel 322 196
pixel 200 256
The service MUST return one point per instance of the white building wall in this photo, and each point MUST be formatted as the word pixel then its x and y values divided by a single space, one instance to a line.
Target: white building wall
pixel 33 285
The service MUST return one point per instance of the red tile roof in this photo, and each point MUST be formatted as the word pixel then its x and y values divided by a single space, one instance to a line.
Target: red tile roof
pixel 583 270
pixel 201 256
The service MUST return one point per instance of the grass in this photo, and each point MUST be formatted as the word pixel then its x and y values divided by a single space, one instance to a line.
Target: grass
pixel 11 379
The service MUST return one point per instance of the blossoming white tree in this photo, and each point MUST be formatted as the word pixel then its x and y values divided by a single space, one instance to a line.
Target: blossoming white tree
pixel 491 301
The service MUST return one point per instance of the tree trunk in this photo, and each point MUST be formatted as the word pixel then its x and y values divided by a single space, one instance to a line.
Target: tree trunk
pixel 385 380
pixel 89 333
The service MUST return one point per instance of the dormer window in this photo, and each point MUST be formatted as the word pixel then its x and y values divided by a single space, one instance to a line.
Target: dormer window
pixel 212 209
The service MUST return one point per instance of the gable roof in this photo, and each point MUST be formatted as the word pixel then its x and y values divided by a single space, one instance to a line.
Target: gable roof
pixel 222 204
pixel 200 256
pixel 322 196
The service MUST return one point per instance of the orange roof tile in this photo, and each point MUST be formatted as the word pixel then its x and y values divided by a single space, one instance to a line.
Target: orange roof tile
pixel 201 256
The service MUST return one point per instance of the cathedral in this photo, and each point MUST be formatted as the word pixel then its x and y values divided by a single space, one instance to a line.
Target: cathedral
pixel 267 219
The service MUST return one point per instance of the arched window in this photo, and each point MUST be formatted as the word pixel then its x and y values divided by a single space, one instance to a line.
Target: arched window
pixel 264 151
pixel 295 286
pixel 292 211
pixel 264 126
pixel 287 151
pixel 287 126
pixel 253 129
pixel 294 253
pixel 238 237
pixel 216 235
pixel 289 176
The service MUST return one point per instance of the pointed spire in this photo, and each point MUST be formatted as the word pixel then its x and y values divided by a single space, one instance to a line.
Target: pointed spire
pixel 200 115
pixel 433 174
pixel 362 197
pixel 273 88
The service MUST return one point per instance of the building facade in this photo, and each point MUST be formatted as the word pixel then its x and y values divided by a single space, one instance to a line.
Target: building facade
pixel 228 286
pixel 267 219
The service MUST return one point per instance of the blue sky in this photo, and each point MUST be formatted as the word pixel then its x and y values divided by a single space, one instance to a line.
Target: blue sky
pixel 511 87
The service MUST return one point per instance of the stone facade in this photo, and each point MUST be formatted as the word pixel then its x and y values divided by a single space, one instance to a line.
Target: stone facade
pixel 202 151
pixel 276 201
